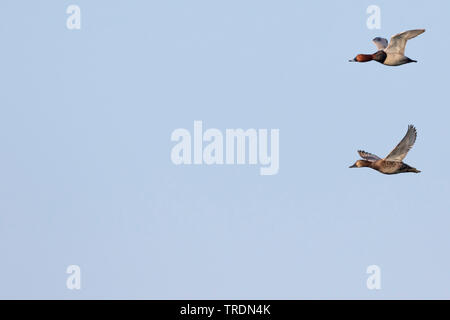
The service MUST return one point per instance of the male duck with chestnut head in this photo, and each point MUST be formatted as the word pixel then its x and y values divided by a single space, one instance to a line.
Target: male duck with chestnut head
pixel 392 54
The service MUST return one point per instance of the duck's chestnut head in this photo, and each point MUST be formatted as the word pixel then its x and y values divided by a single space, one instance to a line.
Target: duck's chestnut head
pixel 359 164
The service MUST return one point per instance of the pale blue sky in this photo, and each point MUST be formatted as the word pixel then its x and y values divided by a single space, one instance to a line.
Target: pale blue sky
pixel 86 176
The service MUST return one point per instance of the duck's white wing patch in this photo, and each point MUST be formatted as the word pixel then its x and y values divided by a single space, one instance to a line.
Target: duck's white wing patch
pixel 368 156
pixel 381 43
pixel 400 151
pixel 398 41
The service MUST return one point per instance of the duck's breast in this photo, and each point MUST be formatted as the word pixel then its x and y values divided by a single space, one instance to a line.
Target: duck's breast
pixel 387 167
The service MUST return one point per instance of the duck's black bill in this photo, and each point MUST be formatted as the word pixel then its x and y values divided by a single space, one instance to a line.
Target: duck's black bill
pixel 353 166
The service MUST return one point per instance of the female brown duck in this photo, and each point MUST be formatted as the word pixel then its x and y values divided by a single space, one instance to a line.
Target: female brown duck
pixel 392 164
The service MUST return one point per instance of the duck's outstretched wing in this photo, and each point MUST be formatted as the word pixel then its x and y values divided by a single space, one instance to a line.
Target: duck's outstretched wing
pixel 400 151
pixel 368 156
pixel 398 41
pixel 381 43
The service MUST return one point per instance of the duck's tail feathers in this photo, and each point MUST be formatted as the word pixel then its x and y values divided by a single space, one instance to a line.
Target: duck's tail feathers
pixel 407 168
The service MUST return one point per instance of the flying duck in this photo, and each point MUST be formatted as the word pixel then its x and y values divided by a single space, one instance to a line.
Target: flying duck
pixel 393 163
pixel 392 54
